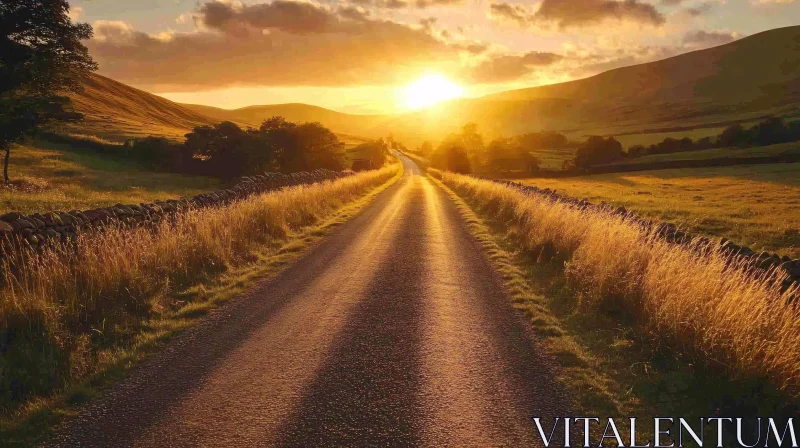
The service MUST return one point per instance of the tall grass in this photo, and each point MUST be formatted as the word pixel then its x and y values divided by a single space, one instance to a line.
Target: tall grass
pixel 694 299
pixel 59 306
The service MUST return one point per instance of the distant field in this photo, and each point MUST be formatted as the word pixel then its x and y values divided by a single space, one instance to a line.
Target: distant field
pixel 759 151
pixel 47 176
pixel 552 159
pixel 754 205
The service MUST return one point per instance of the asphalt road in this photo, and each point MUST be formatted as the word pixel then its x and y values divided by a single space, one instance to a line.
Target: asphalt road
pixel 393 331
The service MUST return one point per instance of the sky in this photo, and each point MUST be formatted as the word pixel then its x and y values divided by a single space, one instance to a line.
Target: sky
pixel 358 56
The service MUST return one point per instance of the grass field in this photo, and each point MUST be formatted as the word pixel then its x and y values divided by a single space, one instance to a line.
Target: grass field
pixel 49 176
pixel 792 148
pixel 756 205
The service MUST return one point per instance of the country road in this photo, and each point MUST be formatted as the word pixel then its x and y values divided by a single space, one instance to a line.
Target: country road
pixel 393 331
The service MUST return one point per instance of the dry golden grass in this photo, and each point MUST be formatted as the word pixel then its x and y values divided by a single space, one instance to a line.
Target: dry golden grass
pixel 65 304
pixel 755 205
pixel 723 315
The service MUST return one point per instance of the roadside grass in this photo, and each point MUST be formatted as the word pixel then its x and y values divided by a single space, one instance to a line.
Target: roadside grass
pixel 755 205
pixel 640 327
pixel 52 176
pixel 124 294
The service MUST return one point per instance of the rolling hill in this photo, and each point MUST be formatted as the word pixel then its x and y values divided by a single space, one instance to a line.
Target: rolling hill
pixel 744 80
pixel 116 111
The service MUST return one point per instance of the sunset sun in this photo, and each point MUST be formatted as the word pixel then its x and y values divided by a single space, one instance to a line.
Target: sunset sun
pixel 430 90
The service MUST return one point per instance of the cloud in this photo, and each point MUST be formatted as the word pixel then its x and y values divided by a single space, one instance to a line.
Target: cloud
pixel 578 13
pixel 275 44
pixel 75 13
pixel 402 4
pixel 511 67
pixel 702 38
pixel 283 15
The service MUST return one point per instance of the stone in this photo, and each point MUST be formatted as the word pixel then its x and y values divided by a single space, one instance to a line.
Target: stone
pixel 12 216
pixel 22 224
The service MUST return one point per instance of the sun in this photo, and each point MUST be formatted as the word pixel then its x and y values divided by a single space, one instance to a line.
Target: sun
pixel 431 89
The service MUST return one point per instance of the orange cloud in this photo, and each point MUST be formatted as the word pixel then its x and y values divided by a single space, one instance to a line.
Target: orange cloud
pixel 578 13
pixel 282 43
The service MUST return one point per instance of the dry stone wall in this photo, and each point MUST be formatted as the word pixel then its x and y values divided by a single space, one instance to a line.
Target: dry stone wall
pixel 762 260
pixel 41 228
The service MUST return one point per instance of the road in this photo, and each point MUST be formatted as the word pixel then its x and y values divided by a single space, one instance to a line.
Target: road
pixel 393 331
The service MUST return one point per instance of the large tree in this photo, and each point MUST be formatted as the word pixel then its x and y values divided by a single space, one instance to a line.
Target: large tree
pixel 41 59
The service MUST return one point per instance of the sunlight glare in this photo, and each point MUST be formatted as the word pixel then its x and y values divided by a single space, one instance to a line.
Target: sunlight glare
pixel 430 90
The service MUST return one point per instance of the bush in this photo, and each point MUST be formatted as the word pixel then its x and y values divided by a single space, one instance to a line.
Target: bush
pixel 155 152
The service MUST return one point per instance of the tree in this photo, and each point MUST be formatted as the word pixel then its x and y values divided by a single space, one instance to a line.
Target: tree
pixel 228 150
pixel 509 154
pixel 425 149
pixel 452 156
pixel 734 135
pixel 598 150
pixel 42 58
pixel 314 146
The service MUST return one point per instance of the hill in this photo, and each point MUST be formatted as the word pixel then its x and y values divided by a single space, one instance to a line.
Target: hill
pixel 738 82
pixel 115 111
pixel 745 79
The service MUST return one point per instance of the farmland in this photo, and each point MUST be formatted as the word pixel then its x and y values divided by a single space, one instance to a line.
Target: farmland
pixel 753 205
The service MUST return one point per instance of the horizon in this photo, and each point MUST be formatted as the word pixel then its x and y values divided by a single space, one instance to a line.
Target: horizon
pixel 323 53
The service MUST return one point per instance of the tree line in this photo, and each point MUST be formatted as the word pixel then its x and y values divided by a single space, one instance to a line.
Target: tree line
pixel 227 151
pixel 770 131
pixel 467 152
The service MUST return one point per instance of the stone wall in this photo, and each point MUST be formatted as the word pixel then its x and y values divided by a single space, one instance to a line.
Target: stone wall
pixel 762 260
pixel 41 228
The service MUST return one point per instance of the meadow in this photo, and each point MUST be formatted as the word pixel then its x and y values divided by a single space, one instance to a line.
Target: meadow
pixel 52 176
pixel 757 205
pixel 718 320
pixel 76 312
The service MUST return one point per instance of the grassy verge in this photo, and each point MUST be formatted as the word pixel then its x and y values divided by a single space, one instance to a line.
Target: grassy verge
pixel 756 206
pixel 79 321
pixel 52 176
pixel 640 328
